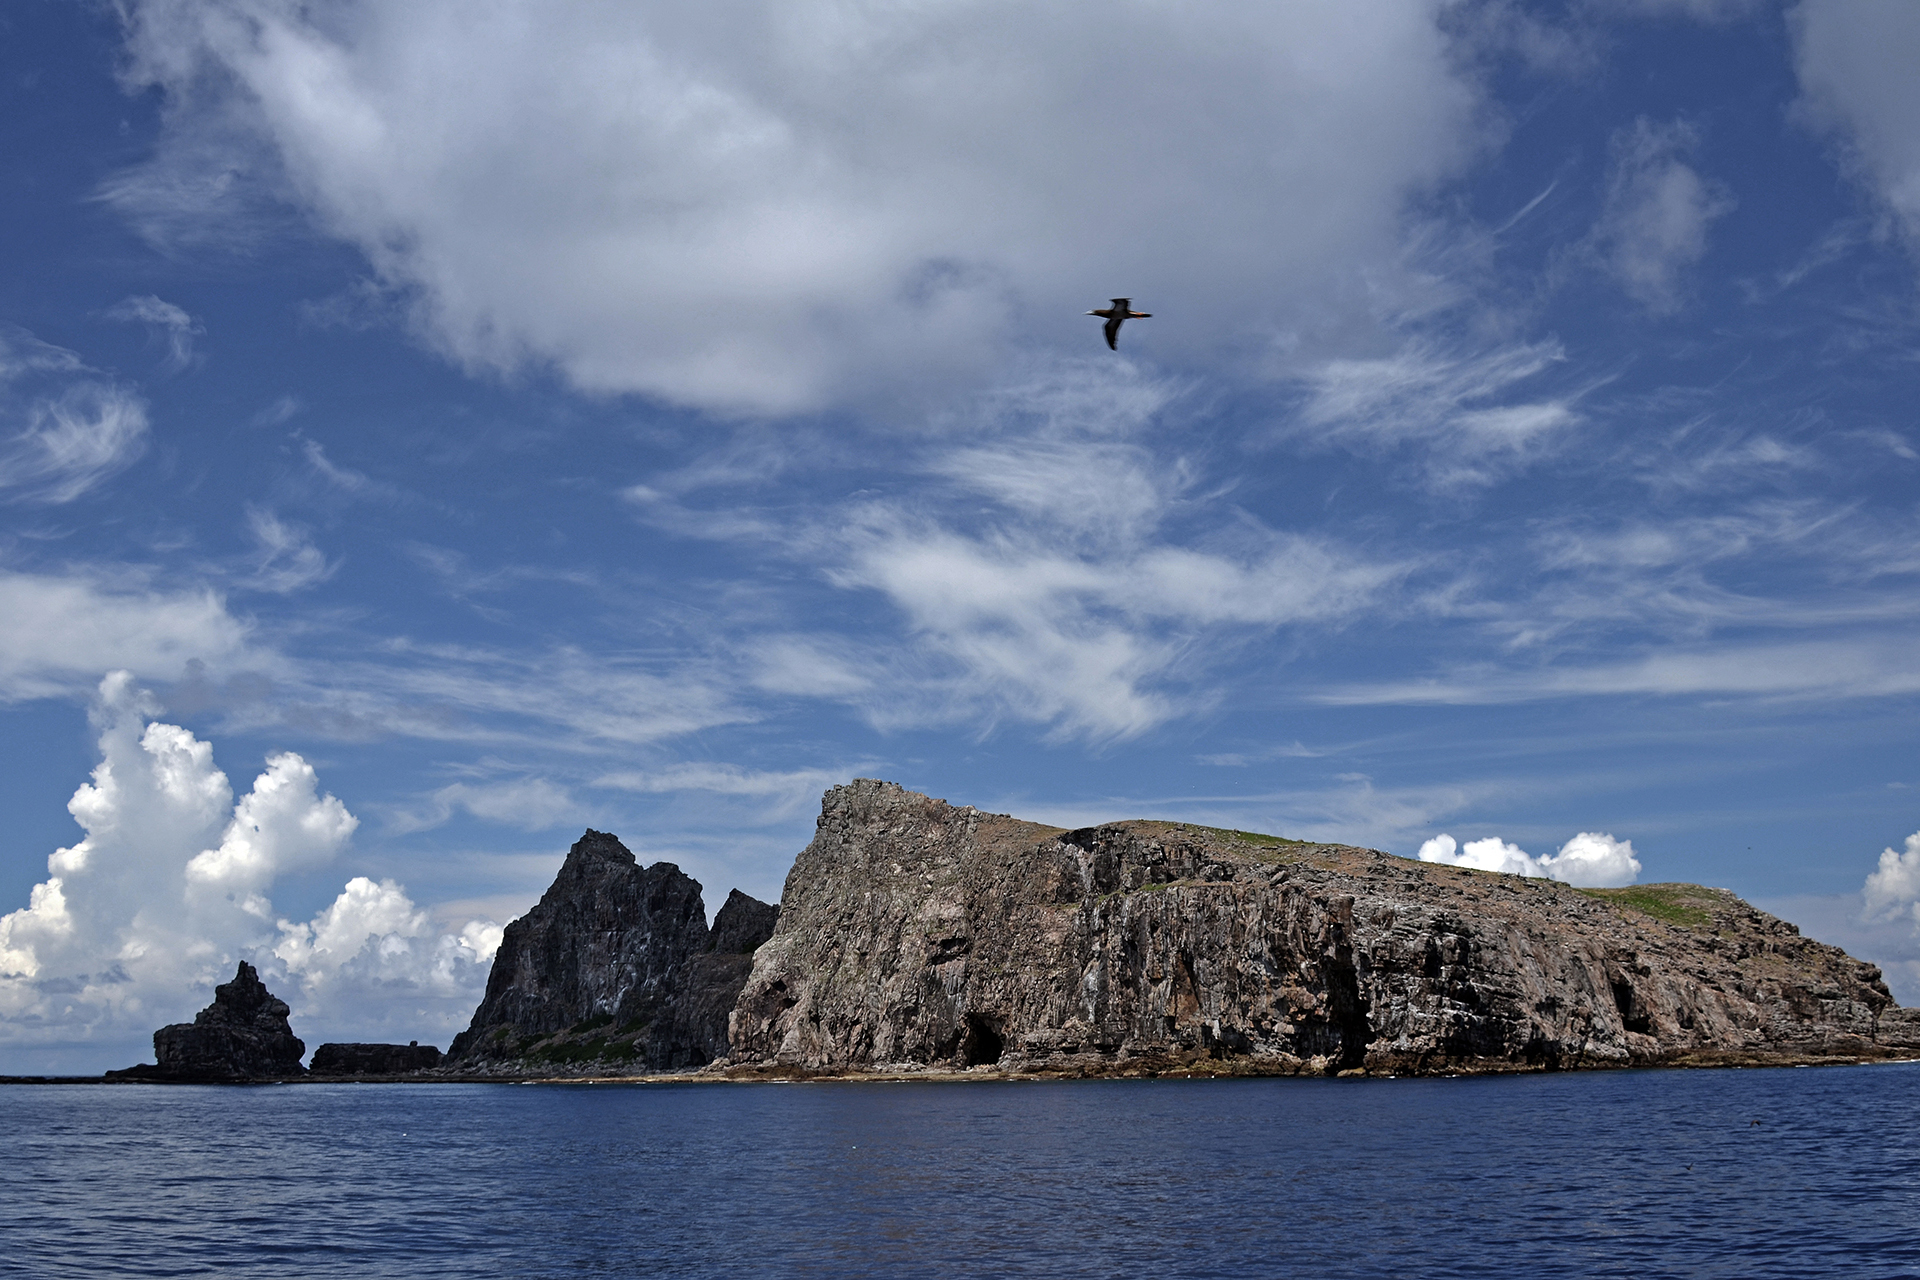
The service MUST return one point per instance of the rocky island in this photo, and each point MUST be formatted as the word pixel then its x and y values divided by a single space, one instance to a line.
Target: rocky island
pixel 242 1035
pixel 919 937
pixel 915 936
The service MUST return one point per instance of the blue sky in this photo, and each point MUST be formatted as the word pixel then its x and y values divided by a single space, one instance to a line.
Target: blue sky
pixel 431 430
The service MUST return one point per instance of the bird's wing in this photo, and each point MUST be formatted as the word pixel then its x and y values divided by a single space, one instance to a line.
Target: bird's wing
pixel 1113 332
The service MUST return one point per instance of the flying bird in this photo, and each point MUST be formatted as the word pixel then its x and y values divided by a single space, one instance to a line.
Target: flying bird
pixel 1118 314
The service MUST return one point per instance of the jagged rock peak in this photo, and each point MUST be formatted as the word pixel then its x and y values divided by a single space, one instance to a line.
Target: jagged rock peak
pixel 610 970
pixel 742 924
pixel 243 1035
pixel 597 846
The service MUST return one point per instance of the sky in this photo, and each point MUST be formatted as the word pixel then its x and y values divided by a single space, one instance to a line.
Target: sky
pixel 429 431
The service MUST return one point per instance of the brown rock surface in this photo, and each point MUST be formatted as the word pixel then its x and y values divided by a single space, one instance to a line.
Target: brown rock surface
pixel 914 933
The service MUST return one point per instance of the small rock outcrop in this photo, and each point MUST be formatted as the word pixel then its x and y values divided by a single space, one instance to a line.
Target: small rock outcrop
pixel 242 1035
pixel 373 1059
pixel 613 969
pixel 914 934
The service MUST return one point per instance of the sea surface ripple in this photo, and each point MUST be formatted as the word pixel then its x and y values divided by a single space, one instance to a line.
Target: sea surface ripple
pixel 1792 1173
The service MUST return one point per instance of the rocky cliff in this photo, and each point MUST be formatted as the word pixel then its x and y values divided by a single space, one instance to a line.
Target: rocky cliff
pixel 916 934
pixel 242 1035
pixel 613 969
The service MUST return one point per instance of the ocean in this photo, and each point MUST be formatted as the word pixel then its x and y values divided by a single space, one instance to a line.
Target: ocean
pixel 1779 1172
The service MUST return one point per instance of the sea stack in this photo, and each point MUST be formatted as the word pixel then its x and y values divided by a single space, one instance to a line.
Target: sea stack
pixel 614 969
pixel 243 1035
pixel 917 935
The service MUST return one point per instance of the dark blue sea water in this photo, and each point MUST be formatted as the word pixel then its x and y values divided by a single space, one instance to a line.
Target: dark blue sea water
pixel 1811 1172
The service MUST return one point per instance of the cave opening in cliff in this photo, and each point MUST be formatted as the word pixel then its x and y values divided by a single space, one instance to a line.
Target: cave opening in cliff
pixel 1633 1014
pixel 983 1044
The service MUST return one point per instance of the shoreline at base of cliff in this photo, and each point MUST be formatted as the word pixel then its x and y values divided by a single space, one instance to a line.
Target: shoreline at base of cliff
pixel 1206 1069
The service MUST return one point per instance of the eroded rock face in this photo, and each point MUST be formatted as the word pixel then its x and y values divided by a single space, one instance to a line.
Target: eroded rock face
pixel 242 1035
pixel 914 932
pixel 373 1059
pixel 613 969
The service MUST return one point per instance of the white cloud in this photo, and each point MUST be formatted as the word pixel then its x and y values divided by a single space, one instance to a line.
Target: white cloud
pixel 58 633
pixel 1080 640
pixel 1589 860
pixel 531 804
pixel 1465 412
pixel 470 693
pixel 1867 667
pixel 167 889
pixel 786 792
pixel 1658 209
pixel 287 559
pixel 70 432
pixel 176 327
pixel 806 666
pixel 1057 576
pixel 283 824
pixel 1856 69
pixel 1596 860
pixel 775 207
pixel 372 961
pixel 1893 889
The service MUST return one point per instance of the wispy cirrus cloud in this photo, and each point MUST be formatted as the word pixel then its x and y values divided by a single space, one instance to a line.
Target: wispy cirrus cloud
pixel 1470 417
pixel 1855 667
pixel 286 559
pixel 170 323
pixel 530 803
pixel 65 429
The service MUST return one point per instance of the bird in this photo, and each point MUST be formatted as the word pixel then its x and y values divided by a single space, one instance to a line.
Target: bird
pixel 1119 313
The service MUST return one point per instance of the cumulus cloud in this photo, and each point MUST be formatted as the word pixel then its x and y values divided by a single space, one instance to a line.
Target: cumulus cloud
pixel 174 326
pixel 776 207
pixel 1591 859
pixel 1855 63
pixel 64 429
pixel 1893 889
pixel 372 958
pixel 167 889
pixel 283 824
pixel 1658 208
